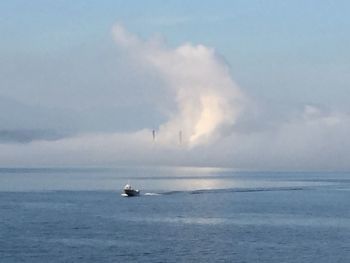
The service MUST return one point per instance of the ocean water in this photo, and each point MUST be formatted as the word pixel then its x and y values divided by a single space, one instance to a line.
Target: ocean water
pixel 182 215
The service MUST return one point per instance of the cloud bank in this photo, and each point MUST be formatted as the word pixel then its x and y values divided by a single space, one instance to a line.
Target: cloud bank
pixel 314 139
pixel 218 126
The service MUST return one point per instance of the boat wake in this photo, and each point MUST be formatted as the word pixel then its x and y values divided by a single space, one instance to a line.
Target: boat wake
pixel 237 190
pixel 145 194
pixel 152 194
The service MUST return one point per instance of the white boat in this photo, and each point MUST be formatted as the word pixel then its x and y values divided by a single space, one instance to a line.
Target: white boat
pixel 129 191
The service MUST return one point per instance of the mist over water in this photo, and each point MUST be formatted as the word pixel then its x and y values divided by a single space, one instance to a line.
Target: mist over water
pixel 231 119
pixel 206 119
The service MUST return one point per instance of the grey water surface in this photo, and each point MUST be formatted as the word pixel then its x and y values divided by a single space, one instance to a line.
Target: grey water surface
pixel 182 215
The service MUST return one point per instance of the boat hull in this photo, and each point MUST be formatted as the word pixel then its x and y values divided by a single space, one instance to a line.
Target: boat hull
pixel 131 192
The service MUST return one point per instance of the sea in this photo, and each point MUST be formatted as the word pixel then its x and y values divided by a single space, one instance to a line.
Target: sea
pixel 183 214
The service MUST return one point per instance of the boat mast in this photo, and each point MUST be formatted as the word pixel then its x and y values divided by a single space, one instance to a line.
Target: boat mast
pixel 154 135
pixel 180 137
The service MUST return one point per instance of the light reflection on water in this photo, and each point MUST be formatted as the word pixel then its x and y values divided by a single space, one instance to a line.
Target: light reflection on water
pixel 144 178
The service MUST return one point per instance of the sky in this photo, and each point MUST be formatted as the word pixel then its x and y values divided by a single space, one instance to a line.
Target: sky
pixel 253 85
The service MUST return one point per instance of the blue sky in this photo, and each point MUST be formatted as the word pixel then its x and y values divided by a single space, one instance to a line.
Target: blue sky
pixel 62 73
pixel 281 50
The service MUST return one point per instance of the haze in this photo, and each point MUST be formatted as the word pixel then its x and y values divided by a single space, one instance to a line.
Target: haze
pixel 253 85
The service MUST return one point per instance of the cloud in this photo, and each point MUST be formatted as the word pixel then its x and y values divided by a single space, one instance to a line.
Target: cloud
pixel 314 139
pixel 303 142
pixel 24 136
pixel 219 127
pixel 208 102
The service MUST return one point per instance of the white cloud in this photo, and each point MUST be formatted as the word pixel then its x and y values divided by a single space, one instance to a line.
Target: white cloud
pixel 313 140
pixel 208 101
pixel 209 112
pixel 295 144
